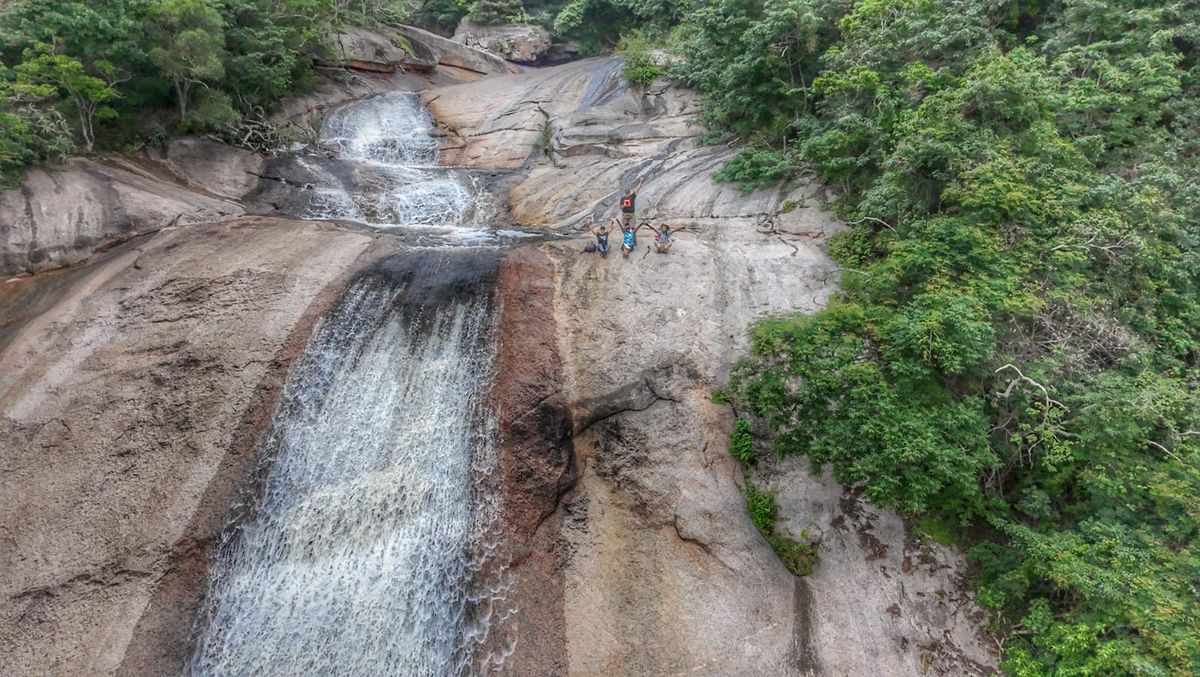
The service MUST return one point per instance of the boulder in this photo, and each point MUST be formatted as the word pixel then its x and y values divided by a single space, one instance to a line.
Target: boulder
pixel 381 52
pixel 211 166
pixel 455 55
pixel 522 43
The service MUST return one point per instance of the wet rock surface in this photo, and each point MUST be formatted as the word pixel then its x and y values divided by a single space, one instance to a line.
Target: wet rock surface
pixel 131 410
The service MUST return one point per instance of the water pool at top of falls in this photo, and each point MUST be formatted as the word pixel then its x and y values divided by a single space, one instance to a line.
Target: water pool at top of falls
pixel 366 549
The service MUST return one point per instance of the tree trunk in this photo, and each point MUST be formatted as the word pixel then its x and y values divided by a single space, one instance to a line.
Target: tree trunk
pixel 85 122
pixel 182 87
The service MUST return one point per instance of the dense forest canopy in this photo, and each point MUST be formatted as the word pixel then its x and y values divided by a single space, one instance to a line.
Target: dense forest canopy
pixel 1012 360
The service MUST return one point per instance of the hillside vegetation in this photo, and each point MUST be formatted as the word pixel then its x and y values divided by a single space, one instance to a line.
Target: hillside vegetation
pixel 77 75
pixel 1012 361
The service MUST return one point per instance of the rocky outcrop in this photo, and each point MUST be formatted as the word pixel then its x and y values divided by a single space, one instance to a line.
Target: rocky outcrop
pixel 521 43
pixel 130 409
pixel 452 55
pixel 211 166
pixel 659 568
pixel 61 214
pixel 876 573
pixel 361 49
pixel 579 134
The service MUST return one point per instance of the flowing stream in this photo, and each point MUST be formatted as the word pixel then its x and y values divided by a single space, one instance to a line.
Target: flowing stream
pixel 375 164
pixel 364 552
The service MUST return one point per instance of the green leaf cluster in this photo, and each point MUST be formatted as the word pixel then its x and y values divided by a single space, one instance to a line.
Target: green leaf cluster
pixel 80 74
pixel 1013 354
pixel 640 67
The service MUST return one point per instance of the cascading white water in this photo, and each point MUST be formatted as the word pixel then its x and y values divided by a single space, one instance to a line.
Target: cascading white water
pixel 358 558
pixel 367 550
pixel 390 178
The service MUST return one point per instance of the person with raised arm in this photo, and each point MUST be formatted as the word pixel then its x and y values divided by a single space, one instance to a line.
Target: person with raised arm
pixel 601 233
pixel 662 237
pixel 629 203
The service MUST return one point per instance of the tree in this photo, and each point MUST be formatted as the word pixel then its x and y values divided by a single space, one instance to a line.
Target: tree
pixel 187 45
pixel 495 11
pixel 87 93
pixel 30 130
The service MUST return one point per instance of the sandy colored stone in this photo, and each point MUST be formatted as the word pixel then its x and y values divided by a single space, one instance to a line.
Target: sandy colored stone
pixel 61 214
pixel 129 414
pixel 579 135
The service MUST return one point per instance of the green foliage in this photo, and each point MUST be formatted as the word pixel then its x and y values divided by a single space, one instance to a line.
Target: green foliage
pixel 441 16
pixel 187 45
pixel 762 508
pixel 741 443
pixel 106 72
pixel 640 67
pixel 756 167
pixel 30 132
pixel 799 558
pixel 493 12
pixel 1012 357
pixel 68 78
pixel 598 24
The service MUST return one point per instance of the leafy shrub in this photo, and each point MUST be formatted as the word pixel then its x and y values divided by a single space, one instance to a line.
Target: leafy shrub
pixel 640 67
pixel 741 443
pixel 757 167
pixel 763 509
pixel 494 12
pixel 799 558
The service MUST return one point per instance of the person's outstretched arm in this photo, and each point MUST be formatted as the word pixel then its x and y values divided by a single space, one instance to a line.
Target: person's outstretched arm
pixel 641 182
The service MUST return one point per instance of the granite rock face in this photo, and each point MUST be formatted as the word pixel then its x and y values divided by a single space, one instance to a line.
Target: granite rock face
pixel 60 215
pixel 130 411
pixel 578 135
pixel 649 557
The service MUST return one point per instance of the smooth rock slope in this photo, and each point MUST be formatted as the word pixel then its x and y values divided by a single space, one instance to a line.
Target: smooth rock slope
pixel 132 408
pixel 648 555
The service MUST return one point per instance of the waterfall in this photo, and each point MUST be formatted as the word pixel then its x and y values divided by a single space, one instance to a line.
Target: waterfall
pixel 365 549
pixel 385 175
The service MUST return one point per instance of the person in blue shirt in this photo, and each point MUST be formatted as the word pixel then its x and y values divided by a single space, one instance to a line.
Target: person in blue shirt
pixel 629 237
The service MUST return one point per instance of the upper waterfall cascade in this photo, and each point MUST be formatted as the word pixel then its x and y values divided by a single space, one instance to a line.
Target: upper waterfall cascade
pixel 375 163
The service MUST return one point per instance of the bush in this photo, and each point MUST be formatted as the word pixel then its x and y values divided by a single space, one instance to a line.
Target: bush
pixel 741 443
pixel 763 509
pixel 640 67
pixel 496 12
pixel 755 167
pixel 799 558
